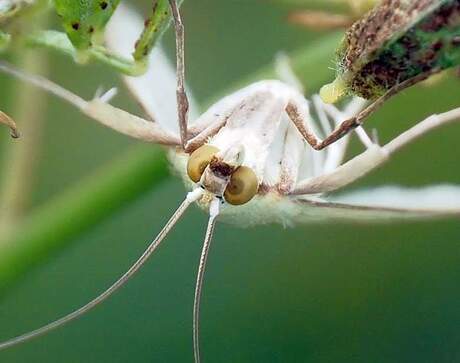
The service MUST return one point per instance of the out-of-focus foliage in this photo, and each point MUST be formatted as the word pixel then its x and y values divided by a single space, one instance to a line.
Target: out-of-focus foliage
pixel 397 42
pixel 318 293
pixel 84 23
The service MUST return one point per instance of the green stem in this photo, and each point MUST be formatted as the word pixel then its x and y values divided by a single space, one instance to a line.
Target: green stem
pixel 5 39
pixel 59 42
pixel 155 26
pixel 80 208
pixel 21 157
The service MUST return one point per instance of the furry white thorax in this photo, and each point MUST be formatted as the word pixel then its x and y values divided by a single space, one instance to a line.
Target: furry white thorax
pixel 270 145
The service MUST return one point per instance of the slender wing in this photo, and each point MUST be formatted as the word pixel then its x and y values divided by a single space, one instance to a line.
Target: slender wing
pixel 155 91
pixel 383 204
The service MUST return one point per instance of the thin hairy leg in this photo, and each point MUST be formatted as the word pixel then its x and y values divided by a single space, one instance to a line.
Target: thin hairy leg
pixel 8 121
pixel 295 111
pixel 97 109
pixel 182 100
pixel 373 157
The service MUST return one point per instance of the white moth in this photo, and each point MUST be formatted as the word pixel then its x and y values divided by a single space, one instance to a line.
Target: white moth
pixel 245 160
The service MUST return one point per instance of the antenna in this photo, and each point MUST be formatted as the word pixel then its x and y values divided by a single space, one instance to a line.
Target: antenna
pixel 213 213
pixel 191 197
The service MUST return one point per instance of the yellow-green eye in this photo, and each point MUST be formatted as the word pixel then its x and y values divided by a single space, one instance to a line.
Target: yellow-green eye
pixel 199 160
pixel 243 186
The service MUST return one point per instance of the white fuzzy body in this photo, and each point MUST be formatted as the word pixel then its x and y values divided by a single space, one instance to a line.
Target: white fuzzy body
pixel 257 123
pixel 294 179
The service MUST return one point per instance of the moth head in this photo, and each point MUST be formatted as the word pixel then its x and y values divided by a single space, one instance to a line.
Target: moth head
pixel 222 174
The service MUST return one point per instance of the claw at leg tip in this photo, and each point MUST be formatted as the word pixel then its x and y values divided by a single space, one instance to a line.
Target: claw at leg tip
pixel 15 134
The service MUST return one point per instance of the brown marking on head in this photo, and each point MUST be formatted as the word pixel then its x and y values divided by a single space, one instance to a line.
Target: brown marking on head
pixel 220 168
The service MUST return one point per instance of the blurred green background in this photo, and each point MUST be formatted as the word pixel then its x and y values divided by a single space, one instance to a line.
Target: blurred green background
pixel 313 293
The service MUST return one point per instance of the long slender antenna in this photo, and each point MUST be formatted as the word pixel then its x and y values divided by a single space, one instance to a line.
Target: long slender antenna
pixel 213 213
pixel 182 100
pixel 191 197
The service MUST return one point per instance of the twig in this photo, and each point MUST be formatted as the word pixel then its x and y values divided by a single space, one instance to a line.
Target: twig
pixel 21 157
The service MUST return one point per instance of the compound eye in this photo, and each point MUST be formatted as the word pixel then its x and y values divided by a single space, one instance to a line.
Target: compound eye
pixel 199 160
pixel 242 187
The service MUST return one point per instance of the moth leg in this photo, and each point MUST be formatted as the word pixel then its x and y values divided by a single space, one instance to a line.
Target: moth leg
pixel 98 110
pixel 296 112
pixel 327 118
pixel 8 121
pixel 286 73
pixel 352 123
pixel 373 157
pixel 128 124
pixel 182 100
pixel 344 174
pixel 356 105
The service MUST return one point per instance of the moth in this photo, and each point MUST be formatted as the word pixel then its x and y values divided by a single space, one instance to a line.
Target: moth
pixel 248 159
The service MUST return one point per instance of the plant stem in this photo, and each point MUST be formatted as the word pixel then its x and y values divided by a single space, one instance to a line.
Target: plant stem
pixel 81 207
pixel 21 157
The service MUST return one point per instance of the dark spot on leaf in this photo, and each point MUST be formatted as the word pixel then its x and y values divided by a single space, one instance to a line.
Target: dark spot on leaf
pixel 76 26
pixel 103 5
pixel 91 30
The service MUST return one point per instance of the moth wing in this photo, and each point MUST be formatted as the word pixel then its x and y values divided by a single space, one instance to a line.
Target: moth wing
pixel 387 203
pixel 155 90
